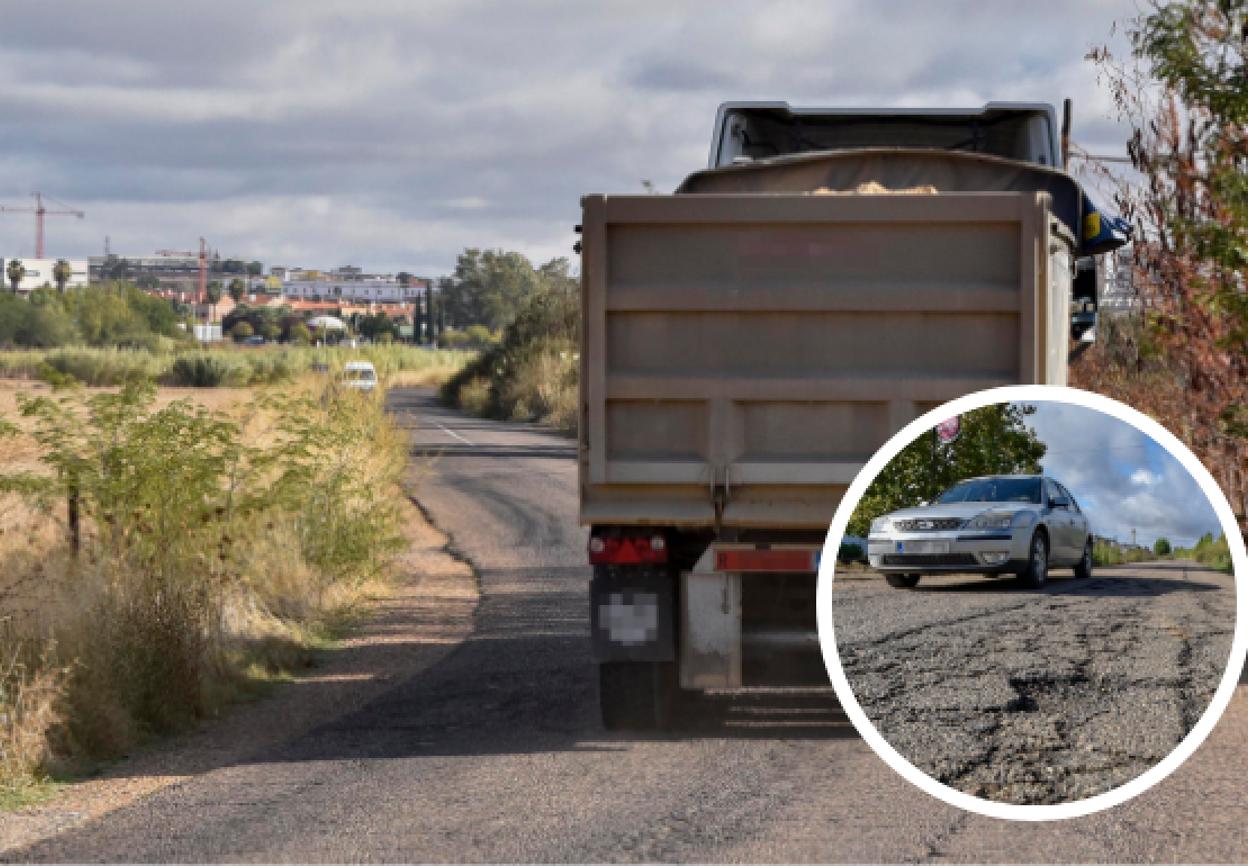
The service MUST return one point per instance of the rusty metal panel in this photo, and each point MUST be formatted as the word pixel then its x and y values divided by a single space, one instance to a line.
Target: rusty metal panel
pixel 767 344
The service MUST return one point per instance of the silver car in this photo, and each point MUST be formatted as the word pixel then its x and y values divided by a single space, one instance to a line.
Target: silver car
pixel 999 524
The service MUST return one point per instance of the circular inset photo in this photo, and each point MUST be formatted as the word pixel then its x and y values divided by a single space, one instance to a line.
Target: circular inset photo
pixel 1034 611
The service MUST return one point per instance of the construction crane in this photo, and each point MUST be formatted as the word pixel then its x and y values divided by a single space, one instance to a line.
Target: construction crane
pixel 39 210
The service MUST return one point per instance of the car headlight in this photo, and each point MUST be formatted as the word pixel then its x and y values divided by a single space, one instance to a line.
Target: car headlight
pixel 995 520
pixel 880 525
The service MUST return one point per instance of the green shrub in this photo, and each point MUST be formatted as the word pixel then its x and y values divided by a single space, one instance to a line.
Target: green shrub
pixel 205 371
pixel 475 397
pixel 851 552
pixel 101 367
pixel 241 331
pixel 453 339
pixel 1209 551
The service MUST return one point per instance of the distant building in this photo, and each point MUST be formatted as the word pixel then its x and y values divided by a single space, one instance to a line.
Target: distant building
pixel 372 289
pixel 39 273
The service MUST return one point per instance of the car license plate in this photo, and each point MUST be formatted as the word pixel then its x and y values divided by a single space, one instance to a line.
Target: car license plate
pixel 922 547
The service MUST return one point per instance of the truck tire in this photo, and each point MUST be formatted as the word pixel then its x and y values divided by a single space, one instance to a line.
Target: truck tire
pixel 902 581
pixel 636 696
pixel 1036 573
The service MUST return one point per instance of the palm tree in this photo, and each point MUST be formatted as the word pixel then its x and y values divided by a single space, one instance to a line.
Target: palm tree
pixel 213 295
pixel 61 272
pixel 237 289
pixel 16 272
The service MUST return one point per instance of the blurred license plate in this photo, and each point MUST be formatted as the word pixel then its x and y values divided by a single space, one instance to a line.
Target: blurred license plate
pixel 922 547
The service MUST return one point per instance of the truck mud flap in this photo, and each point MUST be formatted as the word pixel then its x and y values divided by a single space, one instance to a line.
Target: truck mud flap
pixel 632 614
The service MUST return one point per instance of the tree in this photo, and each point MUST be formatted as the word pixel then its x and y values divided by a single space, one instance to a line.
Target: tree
pixel 148 282
pixel 375 327
pixel 994 440
pixel 404 278
pixel 270 331
pixel 1161 547
pixel 15 271
pixel 299 334
pixel 487 288
pixel 213 296
pixel 237 289
pixel 241 331
pixel 430 334
pixel 62 271
pixel 255 269
pixel 1186 364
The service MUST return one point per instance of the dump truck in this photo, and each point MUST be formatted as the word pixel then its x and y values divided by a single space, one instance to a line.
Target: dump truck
pixel 750 340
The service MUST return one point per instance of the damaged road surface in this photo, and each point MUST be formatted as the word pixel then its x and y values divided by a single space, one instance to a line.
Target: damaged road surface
pixel 1041 696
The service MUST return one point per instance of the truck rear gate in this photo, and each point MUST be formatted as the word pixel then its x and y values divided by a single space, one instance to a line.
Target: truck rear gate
pixel 744 355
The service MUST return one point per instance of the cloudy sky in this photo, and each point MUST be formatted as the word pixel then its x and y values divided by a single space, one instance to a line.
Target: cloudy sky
pixel 1122 478
pixel 394 134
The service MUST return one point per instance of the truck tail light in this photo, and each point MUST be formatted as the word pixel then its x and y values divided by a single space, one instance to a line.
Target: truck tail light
pixel 627 549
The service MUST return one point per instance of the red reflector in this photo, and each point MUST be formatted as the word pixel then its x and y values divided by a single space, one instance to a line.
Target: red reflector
pixel 625 550
pixel 765 560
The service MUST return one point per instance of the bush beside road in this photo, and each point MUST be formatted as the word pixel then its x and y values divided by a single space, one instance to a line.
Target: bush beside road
pixel 166 553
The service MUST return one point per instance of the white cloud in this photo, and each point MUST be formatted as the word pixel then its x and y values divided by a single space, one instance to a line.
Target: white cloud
pixel 1124 481
pixel 442 124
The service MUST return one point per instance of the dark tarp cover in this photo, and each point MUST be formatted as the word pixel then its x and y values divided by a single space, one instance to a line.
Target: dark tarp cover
pixel 902 168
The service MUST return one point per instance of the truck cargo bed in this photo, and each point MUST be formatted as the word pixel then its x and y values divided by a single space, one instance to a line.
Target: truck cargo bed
pixel 745 354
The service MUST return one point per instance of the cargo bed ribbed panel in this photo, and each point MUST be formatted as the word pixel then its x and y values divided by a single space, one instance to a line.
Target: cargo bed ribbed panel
pixel 767 344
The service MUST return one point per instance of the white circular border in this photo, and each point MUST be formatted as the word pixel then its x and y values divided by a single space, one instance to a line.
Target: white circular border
pixel 827 631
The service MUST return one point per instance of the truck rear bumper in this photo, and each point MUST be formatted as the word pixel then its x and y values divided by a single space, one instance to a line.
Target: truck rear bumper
pixel 748 618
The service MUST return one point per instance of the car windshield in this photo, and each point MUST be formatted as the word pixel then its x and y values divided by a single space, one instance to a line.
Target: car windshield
pixel 359 375
pixel 994 490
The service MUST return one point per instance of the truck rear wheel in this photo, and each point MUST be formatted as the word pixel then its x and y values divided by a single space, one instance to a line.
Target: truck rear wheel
pixel 902 581
pixel 636 696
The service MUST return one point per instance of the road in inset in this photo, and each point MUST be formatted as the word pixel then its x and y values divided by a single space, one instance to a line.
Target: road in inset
pixel 1037 696
pixel 495 752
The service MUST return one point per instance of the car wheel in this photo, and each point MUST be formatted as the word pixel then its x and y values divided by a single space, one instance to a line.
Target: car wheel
pixel 1084 569
pixel 1037 570
pixel 902 581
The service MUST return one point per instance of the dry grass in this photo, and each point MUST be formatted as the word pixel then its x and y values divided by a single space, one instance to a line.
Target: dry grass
pixel 79 636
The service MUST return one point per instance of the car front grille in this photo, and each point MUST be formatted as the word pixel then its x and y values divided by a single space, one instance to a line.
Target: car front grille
pixel 929 524
pixel 945 559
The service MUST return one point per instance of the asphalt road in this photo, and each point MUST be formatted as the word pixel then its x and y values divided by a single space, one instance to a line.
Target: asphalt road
pixel 1038 696
pixel 495 753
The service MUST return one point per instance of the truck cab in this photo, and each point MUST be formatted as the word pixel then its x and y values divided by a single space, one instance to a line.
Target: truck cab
pixel 750 131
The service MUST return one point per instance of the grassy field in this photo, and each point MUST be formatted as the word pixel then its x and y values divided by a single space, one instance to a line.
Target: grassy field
pixel 227 365
pixel 225 534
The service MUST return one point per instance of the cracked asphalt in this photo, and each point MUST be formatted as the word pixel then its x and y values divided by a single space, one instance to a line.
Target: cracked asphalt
pixel 1045 696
